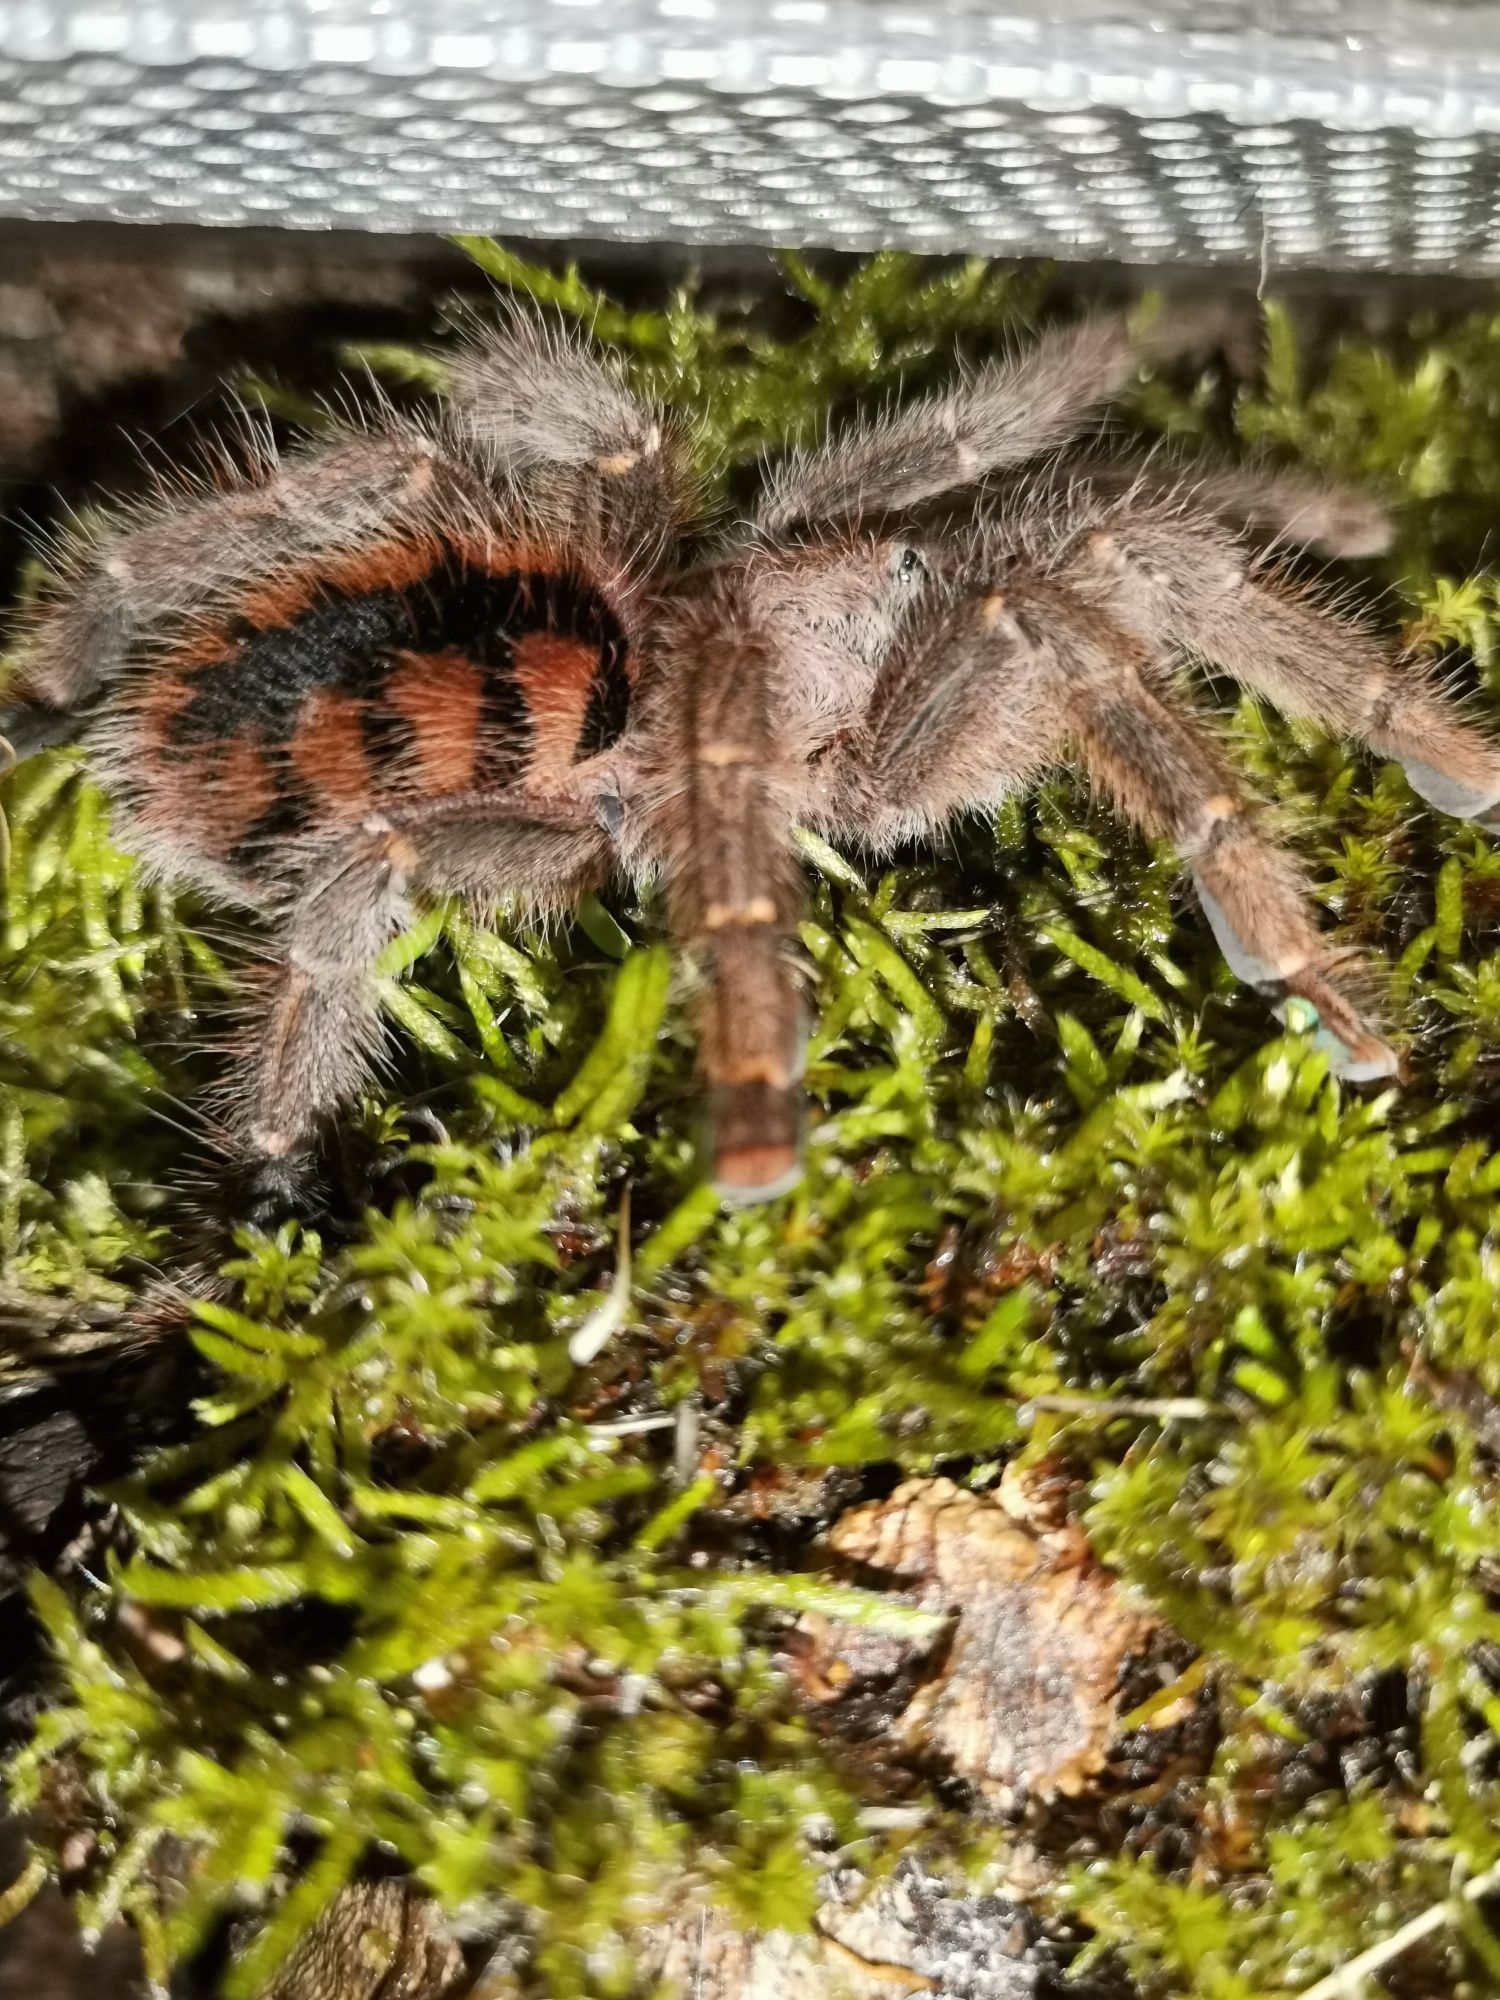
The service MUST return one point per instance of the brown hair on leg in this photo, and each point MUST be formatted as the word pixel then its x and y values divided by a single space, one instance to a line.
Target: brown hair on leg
pixel 723 811
pixel 1163 768
pixel 1011 677
pixel 311 1038
pixel 1188 583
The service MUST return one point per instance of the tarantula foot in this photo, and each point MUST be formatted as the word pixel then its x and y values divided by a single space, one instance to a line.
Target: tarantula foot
pixel 760 1174
pixel 1370 1060
pixel 1347 524
pixel 1450 795
pixel 1354 1053
pixel 266 1190
pixel 756 1142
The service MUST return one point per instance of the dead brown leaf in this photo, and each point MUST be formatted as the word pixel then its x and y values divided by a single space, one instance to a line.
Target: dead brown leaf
pixel 1022 1702
pixel 376 1941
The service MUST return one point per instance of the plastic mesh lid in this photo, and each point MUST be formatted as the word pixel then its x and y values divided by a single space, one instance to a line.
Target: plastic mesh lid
pixel 1306 132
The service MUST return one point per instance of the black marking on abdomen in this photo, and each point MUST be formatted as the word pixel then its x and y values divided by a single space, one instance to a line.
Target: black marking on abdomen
pixel 609 703
pixel 352 641
pixel 291 814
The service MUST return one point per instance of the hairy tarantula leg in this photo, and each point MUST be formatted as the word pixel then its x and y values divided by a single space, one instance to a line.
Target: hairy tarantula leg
pixel 1005 685
pixel 529 393
pixel 1006 413
pixel 937 739
pixel 1274 505
pixel 1165 579
pixel 1164 770
pixel 1277 643
pixel 1267 502
pixel 311 1049
pixel 312 1046
pixel 724 830
pixel 608 468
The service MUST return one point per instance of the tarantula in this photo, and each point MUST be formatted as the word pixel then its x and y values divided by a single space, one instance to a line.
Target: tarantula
pixel 500 654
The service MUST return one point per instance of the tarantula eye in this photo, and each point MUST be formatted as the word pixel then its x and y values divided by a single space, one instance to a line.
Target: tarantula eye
pixel 909 566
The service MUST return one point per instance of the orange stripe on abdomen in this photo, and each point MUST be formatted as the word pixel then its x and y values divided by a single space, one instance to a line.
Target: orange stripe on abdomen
pixel 208 797
pixel 396 563
pixel 157 702
pixel 205 795
pixel 440 697
pixel 556 674
pixel 243 787
pixel 399 562
pixel 328 753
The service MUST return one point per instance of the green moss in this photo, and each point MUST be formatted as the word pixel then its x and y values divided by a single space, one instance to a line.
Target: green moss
pixel 511 1643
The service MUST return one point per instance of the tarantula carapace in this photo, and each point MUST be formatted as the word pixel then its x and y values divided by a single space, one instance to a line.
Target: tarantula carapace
pixel 500 654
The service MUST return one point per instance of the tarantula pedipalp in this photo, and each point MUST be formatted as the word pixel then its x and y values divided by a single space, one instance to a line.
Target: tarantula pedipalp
pixel 500 655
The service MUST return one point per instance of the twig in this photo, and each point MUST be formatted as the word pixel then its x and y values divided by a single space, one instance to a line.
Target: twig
pixel 1344 1983
pixel 631 1426
pixel 1165 1407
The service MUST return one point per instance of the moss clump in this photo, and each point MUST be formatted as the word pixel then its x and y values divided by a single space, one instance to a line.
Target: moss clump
pixel 421 1581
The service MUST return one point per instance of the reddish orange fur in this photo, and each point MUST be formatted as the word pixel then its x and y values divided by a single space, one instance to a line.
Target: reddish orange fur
pixel 392 564
pixel 556 674
pixel 201 645
pixel 499 555
pixel 441 697
pixel 328 753
pixel 226 788
pixel 158 705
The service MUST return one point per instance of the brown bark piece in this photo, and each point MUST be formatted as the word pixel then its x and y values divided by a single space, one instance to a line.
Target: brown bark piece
pixel 1024 1701
pixel 376 1941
